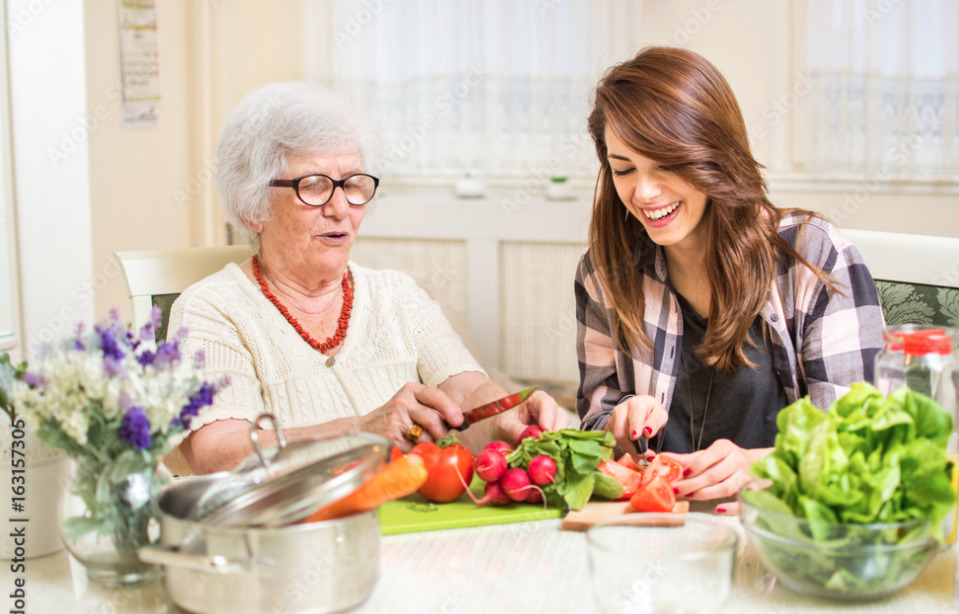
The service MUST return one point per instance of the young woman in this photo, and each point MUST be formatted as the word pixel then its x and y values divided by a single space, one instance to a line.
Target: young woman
pixel 702 308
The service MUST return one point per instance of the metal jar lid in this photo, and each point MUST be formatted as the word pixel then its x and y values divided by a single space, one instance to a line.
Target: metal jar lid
pixel 299 478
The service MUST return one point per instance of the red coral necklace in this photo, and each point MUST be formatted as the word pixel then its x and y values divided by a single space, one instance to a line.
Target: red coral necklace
pixel 344 321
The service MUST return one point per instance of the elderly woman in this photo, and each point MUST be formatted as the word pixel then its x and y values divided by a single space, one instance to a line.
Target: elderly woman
pixel 326 345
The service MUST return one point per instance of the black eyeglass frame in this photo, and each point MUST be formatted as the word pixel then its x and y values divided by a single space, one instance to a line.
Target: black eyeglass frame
pixel 337 183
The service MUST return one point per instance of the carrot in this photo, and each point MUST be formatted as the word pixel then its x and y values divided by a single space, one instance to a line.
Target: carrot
pixel 402 476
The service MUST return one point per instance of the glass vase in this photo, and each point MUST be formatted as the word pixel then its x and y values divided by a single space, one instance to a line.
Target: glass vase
pixel 108 515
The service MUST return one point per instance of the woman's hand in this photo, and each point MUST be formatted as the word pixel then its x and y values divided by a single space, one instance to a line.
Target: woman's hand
pixel 415 403
pixel 717 472
pixel 539 408
pixel 636 417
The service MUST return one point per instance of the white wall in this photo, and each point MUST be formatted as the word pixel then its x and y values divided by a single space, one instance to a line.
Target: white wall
pixel 51 169
pixel 140 178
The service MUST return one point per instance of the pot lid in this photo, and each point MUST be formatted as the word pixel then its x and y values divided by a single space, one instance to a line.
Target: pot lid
pixel 297 479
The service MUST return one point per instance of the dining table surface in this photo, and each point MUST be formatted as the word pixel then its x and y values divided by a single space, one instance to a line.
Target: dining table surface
pixel 532 566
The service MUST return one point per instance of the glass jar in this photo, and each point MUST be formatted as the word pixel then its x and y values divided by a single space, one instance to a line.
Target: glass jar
pixel 923 358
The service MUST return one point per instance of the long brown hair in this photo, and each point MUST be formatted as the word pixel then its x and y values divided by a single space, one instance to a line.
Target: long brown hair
pixel 672 106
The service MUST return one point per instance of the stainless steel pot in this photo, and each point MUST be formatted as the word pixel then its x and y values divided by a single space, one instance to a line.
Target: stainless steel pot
pixel 308 568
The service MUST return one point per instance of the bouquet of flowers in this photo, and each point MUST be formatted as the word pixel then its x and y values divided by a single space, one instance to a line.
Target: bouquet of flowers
pixel 116 402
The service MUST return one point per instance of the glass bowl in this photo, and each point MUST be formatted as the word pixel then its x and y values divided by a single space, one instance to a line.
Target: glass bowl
pixel 837 561
pixel 662 563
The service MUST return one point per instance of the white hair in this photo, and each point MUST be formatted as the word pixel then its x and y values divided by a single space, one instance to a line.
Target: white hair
pixel 270 124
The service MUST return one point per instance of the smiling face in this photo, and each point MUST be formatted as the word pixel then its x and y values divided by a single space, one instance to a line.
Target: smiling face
pixel 308 243
pixel 669 208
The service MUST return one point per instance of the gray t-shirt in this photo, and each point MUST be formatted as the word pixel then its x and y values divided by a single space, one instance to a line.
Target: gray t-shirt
pixel 742 405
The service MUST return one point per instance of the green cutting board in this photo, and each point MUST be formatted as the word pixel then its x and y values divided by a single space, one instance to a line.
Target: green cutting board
pixel 414 513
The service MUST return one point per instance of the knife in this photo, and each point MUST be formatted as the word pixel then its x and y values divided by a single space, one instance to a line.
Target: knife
pixel 494 407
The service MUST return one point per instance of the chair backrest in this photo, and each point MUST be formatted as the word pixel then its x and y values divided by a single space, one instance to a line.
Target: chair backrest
pixel 157 277
pixel 917 275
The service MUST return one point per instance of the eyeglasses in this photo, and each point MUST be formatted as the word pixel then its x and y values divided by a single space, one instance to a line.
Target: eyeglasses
pixel 317 190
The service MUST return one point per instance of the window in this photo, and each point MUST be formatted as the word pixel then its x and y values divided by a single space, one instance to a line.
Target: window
pixel 886 95
pixel 501 87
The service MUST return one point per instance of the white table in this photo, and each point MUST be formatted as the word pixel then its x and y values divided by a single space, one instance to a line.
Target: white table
pixel 523 567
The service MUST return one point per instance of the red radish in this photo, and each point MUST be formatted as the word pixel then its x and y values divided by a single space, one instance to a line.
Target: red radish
pixel 516 484
pixel 500 446
pixel 494 495
pixel 490 465
pixel 535 495
pixel 542 470
pixel 533 430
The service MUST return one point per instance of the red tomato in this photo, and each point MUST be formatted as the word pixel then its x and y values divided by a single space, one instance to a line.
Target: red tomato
pixel 655 495
pixel 450 468
pixel 668 468
pixel 627 460
pixel 629 479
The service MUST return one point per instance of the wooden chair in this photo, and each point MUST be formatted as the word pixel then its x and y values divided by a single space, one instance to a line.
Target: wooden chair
pixel 157 277
pixel 917 275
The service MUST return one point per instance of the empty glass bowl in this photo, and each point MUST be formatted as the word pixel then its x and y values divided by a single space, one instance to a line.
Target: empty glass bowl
pixel 662 563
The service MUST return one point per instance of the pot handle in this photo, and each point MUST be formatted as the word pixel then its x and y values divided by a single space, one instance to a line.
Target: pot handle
pixel 174 557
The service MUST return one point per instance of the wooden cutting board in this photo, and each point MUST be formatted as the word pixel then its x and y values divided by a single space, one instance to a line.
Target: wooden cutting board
pixel 593 512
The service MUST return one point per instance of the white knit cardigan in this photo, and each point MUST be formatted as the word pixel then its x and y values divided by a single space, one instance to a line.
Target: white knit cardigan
pixel 397 334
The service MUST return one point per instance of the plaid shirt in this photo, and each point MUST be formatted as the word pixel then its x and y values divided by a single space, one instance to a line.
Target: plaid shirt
pixel 822 340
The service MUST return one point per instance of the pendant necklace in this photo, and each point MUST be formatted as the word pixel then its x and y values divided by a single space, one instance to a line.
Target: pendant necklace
pixel 689 391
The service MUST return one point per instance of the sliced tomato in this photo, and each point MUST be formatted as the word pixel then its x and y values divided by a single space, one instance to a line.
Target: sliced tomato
pixel 627 460
pixel 655 495
pixel 666 467
pixel 626 477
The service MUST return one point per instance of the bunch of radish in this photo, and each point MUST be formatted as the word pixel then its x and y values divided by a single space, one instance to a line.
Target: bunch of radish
pixel 505 484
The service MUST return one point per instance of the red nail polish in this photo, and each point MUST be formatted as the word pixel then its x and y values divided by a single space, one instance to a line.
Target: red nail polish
pixel 690 494
pixel 686 472
pixel 647 430
pixel 720 510
pixel 633 433
pixel 675 491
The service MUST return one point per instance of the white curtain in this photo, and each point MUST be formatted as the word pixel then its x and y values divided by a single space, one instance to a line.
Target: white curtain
pixel 886 98
pixel 498 87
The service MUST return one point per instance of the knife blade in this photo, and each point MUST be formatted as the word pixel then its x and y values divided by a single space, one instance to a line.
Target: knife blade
pixel 494 407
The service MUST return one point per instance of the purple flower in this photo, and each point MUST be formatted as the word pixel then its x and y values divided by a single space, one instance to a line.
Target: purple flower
pixel 113 367
pixel 109 343
pixel 146 358
pixel 135 429
pixel 167 354
pixel 148 332
pixel 200 399
pixel 34 380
